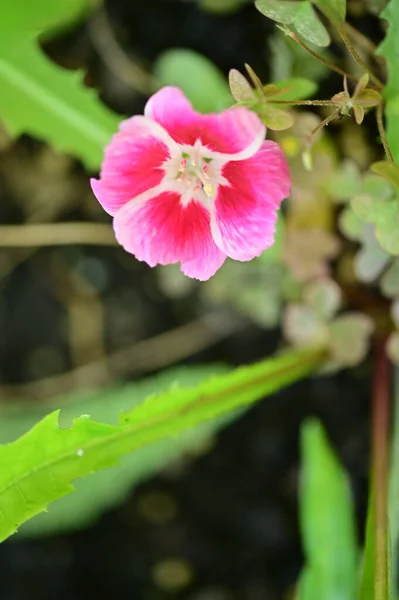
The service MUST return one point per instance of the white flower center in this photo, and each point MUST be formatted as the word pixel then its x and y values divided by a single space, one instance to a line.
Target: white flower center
pixel 195 172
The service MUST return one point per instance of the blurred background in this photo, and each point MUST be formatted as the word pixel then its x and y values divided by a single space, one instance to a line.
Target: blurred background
pixel 211 516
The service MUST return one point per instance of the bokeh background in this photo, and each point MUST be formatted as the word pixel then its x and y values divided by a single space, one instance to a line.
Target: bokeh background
pixel 220 520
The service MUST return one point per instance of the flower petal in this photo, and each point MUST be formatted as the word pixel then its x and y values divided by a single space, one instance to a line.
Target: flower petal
pixel 244 216
pixel 162 231
pixel 132 164
pixel 227 132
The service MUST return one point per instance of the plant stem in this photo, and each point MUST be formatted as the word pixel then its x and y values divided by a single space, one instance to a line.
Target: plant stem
pixel 360 38
pixel 380 463
pixel 304 102
pixel 326 121
pixel 381 131
pixel 328 64
pixel 357 58
pixel 394 481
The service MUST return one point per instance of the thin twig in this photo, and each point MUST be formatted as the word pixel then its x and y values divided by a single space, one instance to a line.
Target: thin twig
pixel 326 62
pixel 326 121
pixel 143 357
pixel 353 52
pixel 381 131
pixel 116 59
pixel 304 102
pixel 56 234
pixel 360 38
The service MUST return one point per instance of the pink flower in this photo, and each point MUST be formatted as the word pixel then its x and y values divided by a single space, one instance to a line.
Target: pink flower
pixel 192 188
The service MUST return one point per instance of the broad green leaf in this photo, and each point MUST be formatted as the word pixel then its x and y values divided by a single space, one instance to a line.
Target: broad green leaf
pixel 38 97
pixel 50 103
pixel 40 467
pixel 203 84
pixel 335 10
pixel 324 296
pixel 327 521
pixel 300 14
pixel 389 49
pixel 351 225
pixel 41 15
pixel 105 488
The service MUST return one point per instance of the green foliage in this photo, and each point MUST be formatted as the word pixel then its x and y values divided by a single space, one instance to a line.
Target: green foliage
pixel 203 84
pixel 327 521
pixel 335 10
pixel 38 97
pixel 40 466
pixel 301 15
pixel 389 49
pixel 105 488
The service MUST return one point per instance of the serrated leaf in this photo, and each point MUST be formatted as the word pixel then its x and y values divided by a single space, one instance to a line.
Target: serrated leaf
pixel 202 82
pixel 389 49
pixel 300 14
pixel 335 10
pixel 105 488
pixel 40 466
pixel 327 521
pixel 51 103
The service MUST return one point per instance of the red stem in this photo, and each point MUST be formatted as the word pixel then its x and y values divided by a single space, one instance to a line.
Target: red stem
pixel 380 465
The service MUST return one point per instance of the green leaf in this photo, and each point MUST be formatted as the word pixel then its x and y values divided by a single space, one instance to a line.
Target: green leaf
pixel 298 88
pixel 40 15
pixel 389 171
pixel 390 280
pixel 40 466
pixel 327 521
pixel 387 227
pixel 274 118
pixel 41 99
pixel 203 84
pixel 240 88
pixel 389 49
pixel 299 14
pixel 335 10
pixel 105 488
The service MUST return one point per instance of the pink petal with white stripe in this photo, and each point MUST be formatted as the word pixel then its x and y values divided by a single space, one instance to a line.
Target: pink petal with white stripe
pixel 244 217
pixel 131 164
pixel 160 231
pixel 227 132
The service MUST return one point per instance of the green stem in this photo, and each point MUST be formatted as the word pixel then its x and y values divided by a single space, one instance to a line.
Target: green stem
pixel 357 58
pixel 304 102
pixel 380 461
pixel 326 62
pixel 381 131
